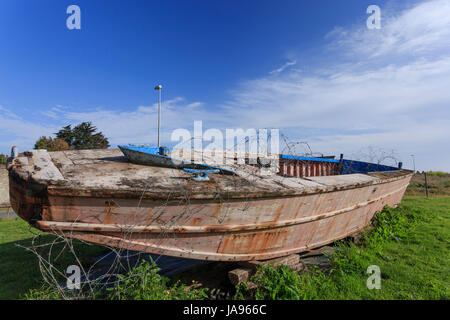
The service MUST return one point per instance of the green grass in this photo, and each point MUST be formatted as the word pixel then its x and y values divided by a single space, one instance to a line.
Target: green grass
pixel 20 276
pixel 19 268
pixel 410 244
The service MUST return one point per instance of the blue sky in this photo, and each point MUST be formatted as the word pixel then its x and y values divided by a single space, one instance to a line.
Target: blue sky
pixel 310 68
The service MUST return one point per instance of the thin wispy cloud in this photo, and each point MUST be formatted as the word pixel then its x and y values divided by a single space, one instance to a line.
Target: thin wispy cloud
pixel 284 66
pixel 416 32
pixel 9 114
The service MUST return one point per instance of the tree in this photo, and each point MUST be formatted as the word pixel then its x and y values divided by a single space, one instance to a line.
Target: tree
pixel 66 134
pixel 83 136
pixel 59 145
pixel 42 143
pixel 51 144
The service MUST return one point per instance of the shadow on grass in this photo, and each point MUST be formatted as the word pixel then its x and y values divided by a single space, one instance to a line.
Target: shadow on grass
pixel 20 269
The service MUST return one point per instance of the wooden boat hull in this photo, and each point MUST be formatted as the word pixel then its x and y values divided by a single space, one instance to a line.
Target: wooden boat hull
pixel 226 226
pixel 272 227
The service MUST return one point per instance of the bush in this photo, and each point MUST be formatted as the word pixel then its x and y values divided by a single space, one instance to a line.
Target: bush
pixel 438 173
pixel 144 283
pixel 274 283
pixel 50 144
pixel 389 224
pixel 3 158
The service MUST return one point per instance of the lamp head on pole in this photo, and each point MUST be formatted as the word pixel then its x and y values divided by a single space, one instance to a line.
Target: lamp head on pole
pixel 158 87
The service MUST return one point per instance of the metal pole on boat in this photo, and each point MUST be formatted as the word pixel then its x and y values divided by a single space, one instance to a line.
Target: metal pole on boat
pixel 158 88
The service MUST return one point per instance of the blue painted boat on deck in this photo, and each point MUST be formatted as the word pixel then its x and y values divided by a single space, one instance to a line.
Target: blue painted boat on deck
pixel 146 155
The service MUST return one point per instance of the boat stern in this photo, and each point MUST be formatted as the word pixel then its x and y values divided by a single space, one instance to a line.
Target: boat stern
pixel 28 196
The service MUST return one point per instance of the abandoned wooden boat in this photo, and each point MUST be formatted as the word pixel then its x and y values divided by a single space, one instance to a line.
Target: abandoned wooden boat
pixel 100 197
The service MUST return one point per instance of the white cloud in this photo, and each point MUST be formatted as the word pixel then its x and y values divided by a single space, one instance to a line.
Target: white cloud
pixel 284 66
pixel 195 105
pixel 19 132
pixel 416 31
pixel 139 125
pixel 390 89
pixel 7 113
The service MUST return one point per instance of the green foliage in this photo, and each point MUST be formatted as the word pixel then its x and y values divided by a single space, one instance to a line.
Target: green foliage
pixel 438 173
pixel 66 134
pixel 144 283
pixel 389 224
pixel 43 293
pixel 3 158
pixel 42 143
pixel 83 136
pixel 274 283
pixel 50 144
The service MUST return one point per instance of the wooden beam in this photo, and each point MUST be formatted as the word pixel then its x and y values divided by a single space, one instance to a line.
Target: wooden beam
pixel 290 260
pixel 239 275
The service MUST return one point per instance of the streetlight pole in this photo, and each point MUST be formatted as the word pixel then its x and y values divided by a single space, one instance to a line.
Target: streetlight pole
pixel 414 162
pixel 158 88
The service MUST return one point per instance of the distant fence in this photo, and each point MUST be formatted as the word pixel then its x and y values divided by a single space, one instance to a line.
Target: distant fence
pixel 4 188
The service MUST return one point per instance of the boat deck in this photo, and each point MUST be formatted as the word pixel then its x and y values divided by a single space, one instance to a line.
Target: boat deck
pixel 108 173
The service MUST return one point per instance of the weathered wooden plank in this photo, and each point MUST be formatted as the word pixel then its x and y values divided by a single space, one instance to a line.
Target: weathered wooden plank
pixel 343 180
pixel 60 158
pixel 289 260
pixel 44 169
pixel 319 251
